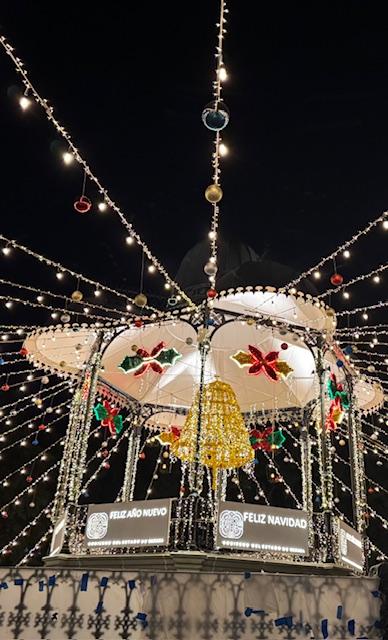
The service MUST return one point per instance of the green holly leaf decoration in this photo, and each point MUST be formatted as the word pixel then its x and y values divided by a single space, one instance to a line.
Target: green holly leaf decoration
pixel 276 439
pixel 118 423
pixel 168 356
pixel 130 363
pixel 100 412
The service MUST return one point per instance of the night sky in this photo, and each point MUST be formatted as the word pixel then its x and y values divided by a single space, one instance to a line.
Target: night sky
pixel 308 135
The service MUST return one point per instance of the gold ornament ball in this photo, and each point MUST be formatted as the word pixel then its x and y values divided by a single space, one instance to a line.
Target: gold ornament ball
pixel 213 193
pixel 251 321
pixel 134 348
pixel 62 364
pixel 77 296
pixel 140 300
pixel 342 443
pixel 165 454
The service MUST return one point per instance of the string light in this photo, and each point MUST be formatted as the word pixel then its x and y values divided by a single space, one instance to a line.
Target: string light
pixel 223 150
pixel 102 206
pixel 24 102
pixel 346 254
pixel 73 151
pixel 68 158
pixel 342 248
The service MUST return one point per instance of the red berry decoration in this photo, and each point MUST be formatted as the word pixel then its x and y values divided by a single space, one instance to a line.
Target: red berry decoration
pixel 138 323
pixel 42 427
pixel 211 293
pixel 336 279
pixel 284 346
pixel 29 479
pixel 23 351
pixel 83 205
pixel 5 387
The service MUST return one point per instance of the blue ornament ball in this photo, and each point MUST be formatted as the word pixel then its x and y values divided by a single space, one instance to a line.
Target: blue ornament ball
pixel 2 361
pixel 340 363
pixel 215 117
pixel 348 350
pixel 35 442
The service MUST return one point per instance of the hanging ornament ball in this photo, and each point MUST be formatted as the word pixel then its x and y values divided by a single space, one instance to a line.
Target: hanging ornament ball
pixel 371 490
pixel 336 500
pixel 134 348
pixel 35 442
pixel 78 347
pixel 104 444
pixel 165 454
pixel 341 443
pixel 49 409
pixel 23 351
pixel 189 341
pixel 340 363
pixel 4 387
pixel 83 205
pixel 142 455
pixel 336 279
pixel 251 321
pixel 29 479
pixel 77 296
pixel 210 268
pixel 215 116
pixel 213 193
pixel 32 505
pixel 348 350
pixel 65 317
pixel 138 323
pixel 62 364
pixel 4 515
pixel 284 346
pixel 211 293
pixel 106 465
pixel 42 427
pixel 374 436
pixel 371 368
pixel 45 380
pixel 140 300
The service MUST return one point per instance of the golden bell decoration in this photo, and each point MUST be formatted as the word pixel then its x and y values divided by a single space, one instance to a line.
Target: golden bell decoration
pixel 140 300
pixel 224 442
pixel 213 193
pixel 77 296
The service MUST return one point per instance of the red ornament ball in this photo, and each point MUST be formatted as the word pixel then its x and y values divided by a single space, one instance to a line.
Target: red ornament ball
pixel 211 293
pixel 23 351
pixel 336 279
pixel 41 427
pixel 138 323
pixel 142 455
pixel 371 490
pixel 4 515
pixel 29 478
pixel 83 205
pixel 284 346
pixel 5 387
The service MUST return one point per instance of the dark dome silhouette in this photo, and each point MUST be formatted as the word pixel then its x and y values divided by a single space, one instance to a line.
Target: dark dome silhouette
pixel 238 266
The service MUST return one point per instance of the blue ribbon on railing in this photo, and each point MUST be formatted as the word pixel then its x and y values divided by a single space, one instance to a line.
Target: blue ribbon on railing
pixel 286 620
pixel 142 617
pixel 325 628
pixel 84 582
pixel 248 611
pixel 339 612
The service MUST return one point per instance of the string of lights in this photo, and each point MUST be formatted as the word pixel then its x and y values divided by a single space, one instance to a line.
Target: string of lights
pixel 41 457
pixel 61 384
pixel 68 300
pixel 373 275
pixel 44 511
pixel 213 113
pixel 351 312
pixel 23 441
pixel 31 425
pixel 35 547
pixel 57 310
pixel 30 486
pixel 73 154
pixel 382 218
pixel 272 464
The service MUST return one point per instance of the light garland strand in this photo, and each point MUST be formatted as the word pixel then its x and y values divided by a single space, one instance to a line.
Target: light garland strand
pixel 344 246
pixel 39 417
pixel 348 284
pixel 44 511
pixel 28 303
pixel 351 312
pixel 20 68
pixel 61 384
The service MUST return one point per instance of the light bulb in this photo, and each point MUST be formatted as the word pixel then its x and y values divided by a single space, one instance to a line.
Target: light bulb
pixel 102 206
pixel 346 295
pixel 167 285
pixel 365 316
pixel 9 304
pixel 54 315
pixel 97 293
pixel 6 250
pixel 317 275
pixel 222 74
pixel 129 307
pixel 24 102
pixel 59 275
pixel 212 235
pixel 346 254
pixel 223 149
pixel 129 240
pixel 39 298
pixel 151 268
pixel 86 310
pixel 68 157
pixel 385 224
pixel 376 279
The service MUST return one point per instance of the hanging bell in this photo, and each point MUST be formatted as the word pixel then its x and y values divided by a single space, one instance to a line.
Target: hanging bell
pixel 83 205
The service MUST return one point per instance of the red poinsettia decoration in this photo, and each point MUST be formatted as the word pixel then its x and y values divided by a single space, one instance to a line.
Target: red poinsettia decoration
pixel 260 438
pixel 260 363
